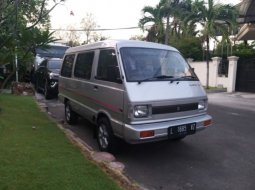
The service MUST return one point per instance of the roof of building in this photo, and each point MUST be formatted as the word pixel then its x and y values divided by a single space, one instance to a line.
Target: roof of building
pixel 246 11
pixel 246 17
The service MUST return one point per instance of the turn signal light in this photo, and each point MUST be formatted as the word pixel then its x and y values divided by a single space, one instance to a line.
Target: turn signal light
pixel 207 122
pixel 145 134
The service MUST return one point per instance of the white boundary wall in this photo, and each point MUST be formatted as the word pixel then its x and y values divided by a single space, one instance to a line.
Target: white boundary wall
pixel 214 79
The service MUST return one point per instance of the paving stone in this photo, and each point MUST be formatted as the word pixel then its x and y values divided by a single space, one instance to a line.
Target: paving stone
pixel 103 157
pixel 117 166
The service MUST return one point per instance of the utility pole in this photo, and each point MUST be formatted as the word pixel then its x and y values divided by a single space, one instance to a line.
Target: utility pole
pixel 16 64
pixel 16 37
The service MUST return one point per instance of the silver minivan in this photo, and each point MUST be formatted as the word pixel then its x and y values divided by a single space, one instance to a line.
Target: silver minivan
pixel 132 90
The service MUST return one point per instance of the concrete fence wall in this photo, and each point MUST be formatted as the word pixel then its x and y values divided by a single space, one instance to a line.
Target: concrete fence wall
pixel 215 80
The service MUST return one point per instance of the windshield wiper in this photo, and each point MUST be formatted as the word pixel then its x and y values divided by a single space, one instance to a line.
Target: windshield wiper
pixel 187 77
pixel 155 77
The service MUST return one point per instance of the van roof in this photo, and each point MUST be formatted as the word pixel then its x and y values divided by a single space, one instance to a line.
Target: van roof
pixel 119 44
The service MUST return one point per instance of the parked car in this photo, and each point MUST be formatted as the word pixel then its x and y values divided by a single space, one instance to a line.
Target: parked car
pixel 46 77
pixel 136 91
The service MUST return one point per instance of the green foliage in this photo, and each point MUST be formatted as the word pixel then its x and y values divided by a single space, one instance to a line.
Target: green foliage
pixel 241 50
pixel 190 47
pixel 180 14
pixel 24 26
pixel 169 19
pixel 153 16
pixel 244 50
pixel 182 17
pixel 35 154
pixel 216 19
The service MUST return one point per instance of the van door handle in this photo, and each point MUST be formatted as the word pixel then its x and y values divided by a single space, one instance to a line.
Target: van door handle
pixel 95 87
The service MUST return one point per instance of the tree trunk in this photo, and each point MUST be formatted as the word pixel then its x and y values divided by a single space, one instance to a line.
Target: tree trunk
pixel 7 79
pixel 167 30
pixel 207 62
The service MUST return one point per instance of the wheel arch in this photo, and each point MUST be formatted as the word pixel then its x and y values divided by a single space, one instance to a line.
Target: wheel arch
pixel 65 100
pixel 102 114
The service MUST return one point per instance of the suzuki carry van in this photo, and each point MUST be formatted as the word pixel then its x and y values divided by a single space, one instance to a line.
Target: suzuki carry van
pixel 132 90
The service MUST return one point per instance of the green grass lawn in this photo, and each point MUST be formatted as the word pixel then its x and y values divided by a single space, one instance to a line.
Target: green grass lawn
pixel 41 158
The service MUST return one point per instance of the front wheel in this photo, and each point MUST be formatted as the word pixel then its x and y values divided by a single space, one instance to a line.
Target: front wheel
pixel 105 137
pixel 70 116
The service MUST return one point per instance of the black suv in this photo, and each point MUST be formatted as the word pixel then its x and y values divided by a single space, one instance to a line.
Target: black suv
pixel 46 77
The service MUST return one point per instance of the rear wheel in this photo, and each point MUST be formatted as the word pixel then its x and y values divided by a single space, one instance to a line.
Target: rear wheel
pixel 70 116
pixel 105 137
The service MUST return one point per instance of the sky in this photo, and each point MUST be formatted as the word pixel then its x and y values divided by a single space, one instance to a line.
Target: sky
pixel 107 14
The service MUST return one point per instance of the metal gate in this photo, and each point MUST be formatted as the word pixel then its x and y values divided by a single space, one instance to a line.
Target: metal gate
pixel 245 79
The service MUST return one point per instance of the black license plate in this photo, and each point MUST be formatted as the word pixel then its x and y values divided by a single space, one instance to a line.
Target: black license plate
pixel 181 130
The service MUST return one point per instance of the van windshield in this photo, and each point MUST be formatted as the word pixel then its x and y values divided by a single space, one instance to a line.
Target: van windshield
pixel 146 64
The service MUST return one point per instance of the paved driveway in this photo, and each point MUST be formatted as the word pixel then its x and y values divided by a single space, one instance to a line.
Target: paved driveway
pixel 221 157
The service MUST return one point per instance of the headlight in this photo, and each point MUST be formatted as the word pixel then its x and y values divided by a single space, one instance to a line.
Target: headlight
pixel 202 105
pixel 141 111
pixel 52 75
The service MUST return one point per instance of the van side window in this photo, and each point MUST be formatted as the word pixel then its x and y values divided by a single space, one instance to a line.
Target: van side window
pixel 83 65
pixel 67 66
pixel 108 69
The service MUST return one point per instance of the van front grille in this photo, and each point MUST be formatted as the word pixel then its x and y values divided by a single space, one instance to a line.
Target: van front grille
pixel 174 108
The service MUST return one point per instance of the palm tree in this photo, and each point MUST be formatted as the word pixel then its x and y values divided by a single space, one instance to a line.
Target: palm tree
pixel 180 12
pixel 186 19
pixel 154 17
pixel 170 8
pixel 216 19
pixel 167 10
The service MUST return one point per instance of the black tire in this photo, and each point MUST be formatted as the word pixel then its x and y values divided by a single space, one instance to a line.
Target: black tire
pixel 47 93
pixel 106 140
pixel 70 116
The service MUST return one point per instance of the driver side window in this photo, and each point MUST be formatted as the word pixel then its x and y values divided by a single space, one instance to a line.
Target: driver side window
pixel 107 68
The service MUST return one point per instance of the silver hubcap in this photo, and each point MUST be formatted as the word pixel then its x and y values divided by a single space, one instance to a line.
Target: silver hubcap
pixel 68 113
pixel 103 136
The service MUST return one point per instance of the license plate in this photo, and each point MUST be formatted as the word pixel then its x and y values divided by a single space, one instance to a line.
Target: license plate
pixel 181 130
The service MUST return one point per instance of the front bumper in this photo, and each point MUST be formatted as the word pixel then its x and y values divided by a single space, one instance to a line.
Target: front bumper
pixel 53 86
pixel 132 132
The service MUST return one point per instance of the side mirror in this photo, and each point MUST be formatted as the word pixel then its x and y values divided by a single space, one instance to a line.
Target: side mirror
pixel 119 80
pixel 113 74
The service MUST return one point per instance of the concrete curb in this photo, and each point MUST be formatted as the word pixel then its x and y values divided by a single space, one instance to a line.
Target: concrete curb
pixel 210 91
pixel 106 161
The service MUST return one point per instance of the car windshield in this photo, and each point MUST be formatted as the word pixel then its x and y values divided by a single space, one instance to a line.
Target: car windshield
pixel 147 64
pixel 54 64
